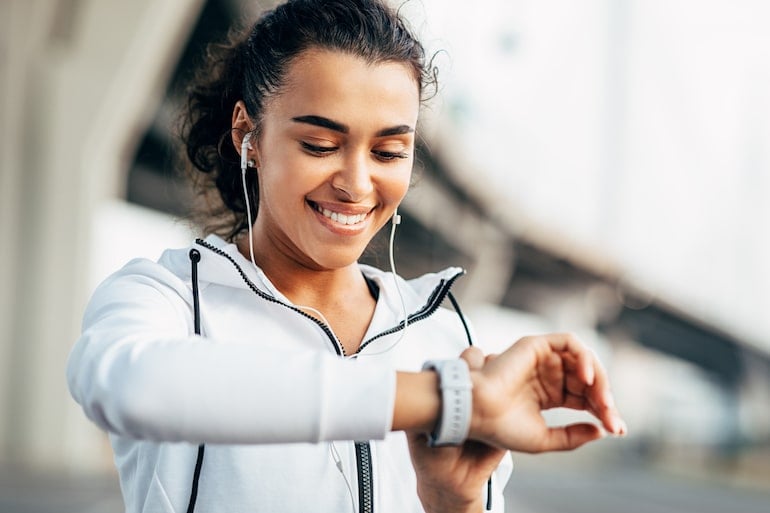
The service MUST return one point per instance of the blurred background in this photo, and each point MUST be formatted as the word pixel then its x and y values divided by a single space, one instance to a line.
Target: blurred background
pixel 600 166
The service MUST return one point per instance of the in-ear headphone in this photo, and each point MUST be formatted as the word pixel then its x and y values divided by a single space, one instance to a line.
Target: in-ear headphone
pixel 245 147
pixel 396 219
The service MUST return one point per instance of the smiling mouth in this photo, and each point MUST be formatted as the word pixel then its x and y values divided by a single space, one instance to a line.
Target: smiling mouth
pixel 346 219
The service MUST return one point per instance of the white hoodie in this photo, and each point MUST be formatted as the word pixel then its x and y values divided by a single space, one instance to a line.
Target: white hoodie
pixel 264 387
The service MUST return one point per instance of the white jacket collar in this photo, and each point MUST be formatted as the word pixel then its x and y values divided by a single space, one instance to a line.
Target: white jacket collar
pixel 221 263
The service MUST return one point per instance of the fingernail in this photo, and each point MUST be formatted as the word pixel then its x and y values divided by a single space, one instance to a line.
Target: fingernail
pixel 619 427
pixel 590 376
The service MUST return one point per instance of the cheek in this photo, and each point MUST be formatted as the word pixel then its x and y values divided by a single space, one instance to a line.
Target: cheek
pixel 283 175
pixel 398 184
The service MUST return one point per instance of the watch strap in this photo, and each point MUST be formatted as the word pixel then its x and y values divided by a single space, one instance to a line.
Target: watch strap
pixel 456 402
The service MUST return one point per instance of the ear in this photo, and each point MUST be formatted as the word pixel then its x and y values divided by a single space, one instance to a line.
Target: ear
pixel 241 125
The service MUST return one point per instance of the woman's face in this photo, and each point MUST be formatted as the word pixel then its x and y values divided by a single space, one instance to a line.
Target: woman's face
pixel 334 157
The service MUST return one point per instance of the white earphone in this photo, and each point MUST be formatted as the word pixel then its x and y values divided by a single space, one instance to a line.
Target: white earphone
pixel 395 220
pixel 245 147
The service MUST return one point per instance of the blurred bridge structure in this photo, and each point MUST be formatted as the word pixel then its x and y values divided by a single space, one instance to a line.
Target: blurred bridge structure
pixel 90 92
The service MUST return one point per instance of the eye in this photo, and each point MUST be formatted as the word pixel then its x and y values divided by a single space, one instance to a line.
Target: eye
pixel 387 156
pixel 320 151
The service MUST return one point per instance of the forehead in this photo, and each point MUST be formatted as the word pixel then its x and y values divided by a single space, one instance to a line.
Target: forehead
pixel 347 88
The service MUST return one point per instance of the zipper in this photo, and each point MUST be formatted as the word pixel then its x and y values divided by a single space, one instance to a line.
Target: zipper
pixel 365 481
pixel 363 450
pixel 267 297
pixel 434 301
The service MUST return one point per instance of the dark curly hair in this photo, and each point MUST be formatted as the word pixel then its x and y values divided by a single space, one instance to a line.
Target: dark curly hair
pixel 252 65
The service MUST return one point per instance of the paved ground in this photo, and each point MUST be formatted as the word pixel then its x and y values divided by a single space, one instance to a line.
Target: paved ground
pixel 628 490
pixel 613 477
pixel 539 485
pixel 25 492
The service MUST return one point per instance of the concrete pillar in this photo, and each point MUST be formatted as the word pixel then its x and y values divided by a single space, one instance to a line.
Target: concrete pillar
pixel 80 87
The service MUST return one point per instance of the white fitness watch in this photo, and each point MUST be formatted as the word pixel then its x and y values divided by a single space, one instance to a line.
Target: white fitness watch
pixel 456 402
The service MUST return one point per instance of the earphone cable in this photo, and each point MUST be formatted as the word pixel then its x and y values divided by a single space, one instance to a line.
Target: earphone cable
pixel 251 235
pixel 396 220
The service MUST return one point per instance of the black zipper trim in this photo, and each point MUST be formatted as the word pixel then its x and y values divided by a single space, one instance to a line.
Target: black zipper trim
pixel 434 301
pixel 326 329
pixel 362 449
pixel 365 481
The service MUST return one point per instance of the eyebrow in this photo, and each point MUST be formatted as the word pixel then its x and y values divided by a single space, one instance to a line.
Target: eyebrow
pixel 323 122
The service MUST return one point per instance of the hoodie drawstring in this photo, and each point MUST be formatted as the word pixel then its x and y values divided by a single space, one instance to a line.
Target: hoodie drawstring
pixel 456 306
pixel 195 257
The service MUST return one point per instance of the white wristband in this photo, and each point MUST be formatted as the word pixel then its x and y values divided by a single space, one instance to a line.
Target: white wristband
pixel 456 402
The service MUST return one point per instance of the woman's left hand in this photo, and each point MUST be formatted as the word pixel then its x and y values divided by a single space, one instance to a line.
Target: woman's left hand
pixel 452 479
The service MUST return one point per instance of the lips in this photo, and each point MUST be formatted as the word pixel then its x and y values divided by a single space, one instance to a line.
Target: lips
pixel 349 218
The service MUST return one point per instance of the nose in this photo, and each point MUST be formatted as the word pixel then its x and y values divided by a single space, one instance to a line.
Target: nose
pixel 354 179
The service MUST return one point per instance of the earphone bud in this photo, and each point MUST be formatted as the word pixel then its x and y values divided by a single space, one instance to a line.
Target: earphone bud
pixel 245 147
pixel 396 219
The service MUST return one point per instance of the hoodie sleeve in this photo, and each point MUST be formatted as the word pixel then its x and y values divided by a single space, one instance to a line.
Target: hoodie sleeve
pixel 137 371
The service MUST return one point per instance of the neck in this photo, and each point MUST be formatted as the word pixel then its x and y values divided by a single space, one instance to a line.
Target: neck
pixel 304 284
pixel 339 297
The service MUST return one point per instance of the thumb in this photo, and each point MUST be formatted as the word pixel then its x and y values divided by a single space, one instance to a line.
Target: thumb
pixel 473 357
pixel 566 438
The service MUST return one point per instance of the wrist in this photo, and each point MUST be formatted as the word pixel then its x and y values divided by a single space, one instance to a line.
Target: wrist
pixel 454 421
pixel 418 401
pixel 479 424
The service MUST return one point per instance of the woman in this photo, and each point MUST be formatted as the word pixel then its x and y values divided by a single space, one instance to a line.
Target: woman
pixel 264 369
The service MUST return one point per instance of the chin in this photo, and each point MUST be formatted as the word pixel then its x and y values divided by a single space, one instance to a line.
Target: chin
pixel 337 259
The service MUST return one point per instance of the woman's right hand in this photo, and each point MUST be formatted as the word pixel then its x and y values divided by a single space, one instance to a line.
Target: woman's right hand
pixel 538 373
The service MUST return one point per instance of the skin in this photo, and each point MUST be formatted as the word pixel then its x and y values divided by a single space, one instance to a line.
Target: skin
pixel 339 137
pixel 510 391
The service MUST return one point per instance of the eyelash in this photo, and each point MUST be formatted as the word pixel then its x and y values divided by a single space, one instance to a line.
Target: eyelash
pixel 319 150
pixel 323 151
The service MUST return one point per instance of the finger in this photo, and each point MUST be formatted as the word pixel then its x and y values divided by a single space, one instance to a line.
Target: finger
pixel 611 419
pixel 570 437
pixel 551 373
pixel 574 385
pixel 609 416
pixel 595 398
pixel 576 402
pixel 473 357
pixel 580 354
pixel 602 402
pixel 586 366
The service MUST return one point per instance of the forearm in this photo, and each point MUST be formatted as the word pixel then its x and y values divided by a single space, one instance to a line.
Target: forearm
pixel 201 391
pixel 441 500
pixel 137 371
pixel 418 402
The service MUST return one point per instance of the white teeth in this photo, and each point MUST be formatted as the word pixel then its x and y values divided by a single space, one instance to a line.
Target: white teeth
pixel 342 218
